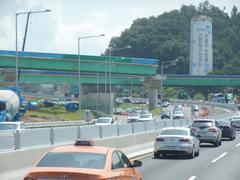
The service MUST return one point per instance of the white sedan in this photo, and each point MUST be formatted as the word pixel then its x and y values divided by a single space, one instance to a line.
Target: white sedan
pixel 133 117
pixel 104 121
pixel 145 118
pixel 176 140
pixel 179 114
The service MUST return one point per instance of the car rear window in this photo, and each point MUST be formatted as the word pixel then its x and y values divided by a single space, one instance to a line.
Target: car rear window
pixel 202 124
pixel 174 132
pixel 145 116
pixel 107 120
pixel 224 123
pixel 73 160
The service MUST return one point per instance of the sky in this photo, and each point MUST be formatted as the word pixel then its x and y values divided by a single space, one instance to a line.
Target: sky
pixel 57 31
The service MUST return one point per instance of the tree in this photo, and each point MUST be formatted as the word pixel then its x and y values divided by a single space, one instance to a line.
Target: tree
pixel 167 37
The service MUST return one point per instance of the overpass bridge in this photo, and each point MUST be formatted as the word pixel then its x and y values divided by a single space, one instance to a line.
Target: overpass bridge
pixel 63 68
pixel 53 68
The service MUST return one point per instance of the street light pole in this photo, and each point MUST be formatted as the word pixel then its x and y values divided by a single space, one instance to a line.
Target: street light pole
pixel 16 41
pixel 161 85
pixel 110 73
pixel 161 98
pixel 16 81
pixel 79 67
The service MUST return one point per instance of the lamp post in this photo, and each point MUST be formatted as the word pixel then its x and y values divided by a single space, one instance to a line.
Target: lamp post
pixel 79 66
pixel 16 16
pixel 110 72
pixel 162 66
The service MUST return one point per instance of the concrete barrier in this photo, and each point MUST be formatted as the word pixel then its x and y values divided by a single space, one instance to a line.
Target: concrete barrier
pixel 15 164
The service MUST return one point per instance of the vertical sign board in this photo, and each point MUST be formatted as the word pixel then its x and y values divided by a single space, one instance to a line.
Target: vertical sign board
pixel 201 62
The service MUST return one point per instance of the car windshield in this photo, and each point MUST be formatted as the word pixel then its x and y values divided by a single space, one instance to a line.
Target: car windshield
pixel 202 124
pixel 174 132
pixel 73 160
pixel 133 114
pixel 102 120
pixel 8 126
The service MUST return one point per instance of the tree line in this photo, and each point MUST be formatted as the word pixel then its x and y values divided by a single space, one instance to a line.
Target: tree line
pixel 167 37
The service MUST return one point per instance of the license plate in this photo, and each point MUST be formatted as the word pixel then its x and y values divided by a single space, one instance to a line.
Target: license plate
pixel 202 132
pixel 171 147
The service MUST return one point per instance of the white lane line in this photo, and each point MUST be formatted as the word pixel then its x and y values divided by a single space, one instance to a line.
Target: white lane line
pixel 219 157
pixel 192 178
pixel 237 144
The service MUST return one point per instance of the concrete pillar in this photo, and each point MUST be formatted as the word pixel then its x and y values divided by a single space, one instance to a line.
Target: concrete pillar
pixel 153 98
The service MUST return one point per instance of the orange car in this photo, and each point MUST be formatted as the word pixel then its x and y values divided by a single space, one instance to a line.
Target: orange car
pixel 84 161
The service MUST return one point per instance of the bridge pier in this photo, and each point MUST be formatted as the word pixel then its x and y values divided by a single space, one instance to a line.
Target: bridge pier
pixel 153 98
pixel 153 84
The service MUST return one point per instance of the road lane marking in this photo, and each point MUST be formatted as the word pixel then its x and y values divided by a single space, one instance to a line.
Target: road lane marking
pixel 237 144
pixel 192 178
pixel 219 157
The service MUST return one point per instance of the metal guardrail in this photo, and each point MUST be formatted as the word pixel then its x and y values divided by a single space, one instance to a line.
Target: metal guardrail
pixel 56 124
pixel 63 135
pixel 77 129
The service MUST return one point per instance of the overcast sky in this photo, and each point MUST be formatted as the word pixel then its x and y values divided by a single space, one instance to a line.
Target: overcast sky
pixel 57 31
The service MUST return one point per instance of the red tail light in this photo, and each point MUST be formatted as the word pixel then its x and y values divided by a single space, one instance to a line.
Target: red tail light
pixel 160 140
pixel 28 178
pixel 184 140
pixel 212 130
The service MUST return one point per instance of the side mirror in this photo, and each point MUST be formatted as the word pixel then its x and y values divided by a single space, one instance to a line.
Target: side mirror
pixel 137 163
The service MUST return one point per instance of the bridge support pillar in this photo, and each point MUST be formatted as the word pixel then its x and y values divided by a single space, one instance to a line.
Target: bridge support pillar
pixel 153 83
pixel 153 98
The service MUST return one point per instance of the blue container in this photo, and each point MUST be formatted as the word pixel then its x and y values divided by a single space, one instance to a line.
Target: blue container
pixel 72 107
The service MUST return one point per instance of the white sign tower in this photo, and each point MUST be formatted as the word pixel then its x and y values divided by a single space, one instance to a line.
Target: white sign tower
pixel 201 62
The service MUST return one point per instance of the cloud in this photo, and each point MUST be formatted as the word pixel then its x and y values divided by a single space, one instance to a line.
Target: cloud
pixel 7 30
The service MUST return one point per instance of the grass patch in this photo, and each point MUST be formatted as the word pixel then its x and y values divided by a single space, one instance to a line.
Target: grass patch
pixel 156 111
pixel 55 113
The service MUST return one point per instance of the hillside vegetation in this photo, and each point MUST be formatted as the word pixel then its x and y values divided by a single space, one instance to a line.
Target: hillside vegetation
pixel 167 37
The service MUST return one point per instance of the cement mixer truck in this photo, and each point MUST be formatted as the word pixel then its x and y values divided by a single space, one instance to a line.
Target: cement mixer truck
pixel 11 104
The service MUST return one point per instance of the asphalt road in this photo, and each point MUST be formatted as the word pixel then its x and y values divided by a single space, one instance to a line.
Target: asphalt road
pixel 214 163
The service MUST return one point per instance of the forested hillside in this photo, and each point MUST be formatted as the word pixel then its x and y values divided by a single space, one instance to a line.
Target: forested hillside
pixel 167 37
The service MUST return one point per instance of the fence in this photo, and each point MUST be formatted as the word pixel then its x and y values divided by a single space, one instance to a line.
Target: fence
pixel 67 135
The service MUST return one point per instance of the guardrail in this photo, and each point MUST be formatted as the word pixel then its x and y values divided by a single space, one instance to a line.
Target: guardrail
pixel 56 124
pixel 232 107
pixel 78 129
pixel 62 135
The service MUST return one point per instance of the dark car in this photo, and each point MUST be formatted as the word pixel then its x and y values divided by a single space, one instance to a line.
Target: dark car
pixel 166 115
pixel 228 129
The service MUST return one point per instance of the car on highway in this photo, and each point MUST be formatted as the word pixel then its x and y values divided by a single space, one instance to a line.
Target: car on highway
pixel 133 117
pixel 84 160
pixel 208 131
pixel 166 115
pixel 195 108
pixel 176 140
pixel 12 126
pixel 178 114
pixel 145 118
pixel 104 121
pixel 236 121
pixel 165 103
pixel 228 129
pixel 177 107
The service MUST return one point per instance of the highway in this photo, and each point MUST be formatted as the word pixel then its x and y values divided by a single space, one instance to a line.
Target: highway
pixel 221 163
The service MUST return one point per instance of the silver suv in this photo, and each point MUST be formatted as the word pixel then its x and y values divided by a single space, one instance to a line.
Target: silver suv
pixel 207 131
